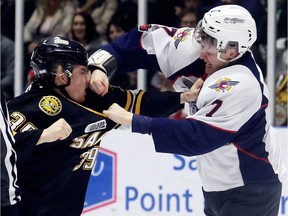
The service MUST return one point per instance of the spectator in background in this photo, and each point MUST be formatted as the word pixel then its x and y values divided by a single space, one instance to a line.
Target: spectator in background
pixel 103 13
pixel 201 6
pixel 7 67
pixel 115 30
pixel 83 30
pixel 10 195
pixel 50 17
pixel 127 13
pixel 117 27
pixel 188 18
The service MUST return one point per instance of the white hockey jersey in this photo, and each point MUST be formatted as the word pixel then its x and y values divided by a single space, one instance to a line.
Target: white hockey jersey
pixel 229 131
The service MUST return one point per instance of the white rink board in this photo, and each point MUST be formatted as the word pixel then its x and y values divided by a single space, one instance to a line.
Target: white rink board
pixel 150 183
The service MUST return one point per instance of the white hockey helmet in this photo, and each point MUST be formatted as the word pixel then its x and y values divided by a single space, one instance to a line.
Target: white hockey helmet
pixel 230 25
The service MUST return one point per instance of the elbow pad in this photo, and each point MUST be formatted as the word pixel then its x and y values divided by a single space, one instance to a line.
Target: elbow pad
pixel 102 60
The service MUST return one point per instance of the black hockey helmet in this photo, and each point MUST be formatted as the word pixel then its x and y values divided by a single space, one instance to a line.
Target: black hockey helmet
pixel 56 50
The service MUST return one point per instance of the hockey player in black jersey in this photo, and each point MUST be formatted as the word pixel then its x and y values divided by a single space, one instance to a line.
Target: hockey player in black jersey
pixel 58 125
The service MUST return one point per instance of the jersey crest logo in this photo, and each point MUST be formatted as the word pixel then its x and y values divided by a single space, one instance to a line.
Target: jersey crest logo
pixel 181 36
pixel 50 105
pixel 223 84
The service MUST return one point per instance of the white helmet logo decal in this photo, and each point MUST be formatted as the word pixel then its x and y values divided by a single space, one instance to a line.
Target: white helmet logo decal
pixel 233 20
pixel 58 40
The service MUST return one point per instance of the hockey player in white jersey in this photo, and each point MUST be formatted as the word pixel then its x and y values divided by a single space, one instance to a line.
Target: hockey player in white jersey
pixel 229 131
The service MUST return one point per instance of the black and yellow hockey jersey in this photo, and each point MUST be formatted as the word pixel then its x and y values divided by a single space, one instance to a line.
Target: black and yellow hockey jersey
pixel 53 176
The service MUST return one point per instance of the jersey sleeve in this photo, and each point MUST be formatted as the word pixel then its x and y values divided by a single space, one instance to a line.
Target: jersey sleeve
pixel 187 137
pixel 26 135
pixel 156 104
pixel 150 103
pixel 157 48
pixel 25 142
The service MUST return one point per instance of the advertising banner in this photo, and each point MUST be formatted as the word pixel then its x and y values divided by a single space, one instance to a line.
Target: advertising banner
pixel 130 178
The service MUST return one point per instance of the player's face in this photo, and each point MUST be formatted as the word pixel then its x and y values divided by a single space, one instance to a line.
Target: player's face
pixel 209 56
pixel 79 27
pixel 115 32
pixel 79 83
pixel 189 20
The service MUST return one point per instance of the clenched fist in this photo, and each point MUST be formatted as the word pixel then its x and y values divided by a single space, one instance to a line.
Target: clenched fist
pixel 99 82
pixel 119 114
pixel 59 130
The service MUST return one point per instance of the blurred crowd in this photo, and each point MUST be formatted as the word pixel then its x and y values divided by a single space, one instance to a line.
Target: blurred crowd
pixel 97 22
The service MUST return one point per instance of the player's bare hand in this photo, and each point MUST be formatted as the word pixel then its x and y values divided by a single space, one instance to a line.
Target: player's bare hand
pixel 119 115
pixel 99 82
pixel 59 130
pixel 193 92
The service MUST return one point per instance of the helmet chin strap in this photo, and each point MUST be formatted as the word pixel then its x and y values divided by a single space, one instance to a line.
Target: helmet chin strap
pixel 62 87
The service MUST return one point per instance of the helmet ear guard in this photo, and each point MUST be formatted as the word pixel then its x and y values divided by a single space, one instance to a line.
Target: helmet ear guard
pixel 43 77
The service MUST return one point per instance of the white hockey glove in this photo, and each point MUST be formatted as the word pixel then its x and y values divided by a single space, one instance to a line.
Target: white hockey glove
pixel 183 84
pixel 102 60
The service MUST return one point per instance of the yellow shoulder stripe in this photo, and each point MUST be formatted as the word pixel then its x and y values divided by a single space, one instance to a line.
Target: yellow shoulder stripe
pixel 138 102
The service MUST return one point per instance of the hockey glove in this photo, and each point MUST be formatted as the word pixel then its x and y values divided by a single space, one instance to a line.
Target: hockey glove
pixel 102 60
